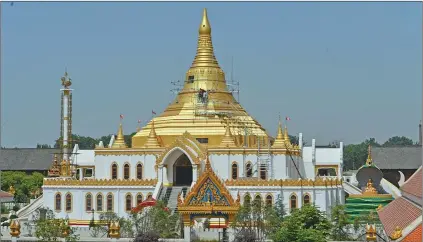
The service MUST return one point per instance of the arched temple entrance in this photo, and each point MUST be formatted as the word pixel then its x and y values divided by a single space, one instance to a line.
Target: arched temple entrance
pixel 182 171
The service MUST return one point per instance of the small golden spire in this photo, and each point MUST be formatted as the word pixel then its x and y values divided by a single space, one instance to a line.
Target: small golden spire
pixel 379 207
pixel 228 140
pixel 208 165
pixel 152 141
pixel 54 170
pixel 280 140
pixel 369 160
pixel 370 233
pixel 120 139
pixel 286 137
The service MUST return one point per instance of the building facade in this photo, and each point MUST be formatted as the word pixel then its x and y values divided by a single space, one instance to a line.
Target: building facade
pixel 205 124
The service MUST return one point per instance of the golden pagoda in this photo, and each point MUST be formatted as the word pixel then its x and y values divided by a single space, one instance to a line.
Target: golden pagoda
pixel 202 104
pixel 120 139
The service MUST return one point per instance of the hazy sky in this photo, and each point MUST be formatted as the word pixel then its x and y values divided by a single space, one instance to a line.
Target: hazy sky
pixel 341 71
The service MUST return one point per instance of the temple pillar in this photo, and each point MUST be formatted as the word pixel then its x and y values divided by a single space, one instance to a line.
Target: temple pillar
pixel 194 173
pixel 160 173
pixel 165 175
pixel 187 233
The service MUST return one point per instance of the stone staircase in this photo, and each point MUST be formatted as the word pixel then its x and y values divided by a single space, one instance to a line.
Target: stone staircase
pixel 169 196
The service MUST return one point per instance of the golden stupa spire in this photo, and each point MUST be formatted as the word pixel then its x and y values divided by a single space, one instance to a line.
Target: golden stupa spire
pixel 280 140
pixel 205 54
pixel 369 160
pixel 152 141
pixel 286 136
pixel 228 140
pixel 120 139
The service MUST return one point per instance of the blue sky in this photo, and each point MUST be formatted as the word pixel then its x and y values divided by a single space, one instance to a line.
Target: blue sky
pixel 341 71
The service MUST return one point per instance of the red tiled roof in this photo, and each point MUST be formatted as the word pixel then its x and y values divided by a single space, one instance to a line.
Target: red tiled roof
pixel 415 236
pixel 5 194
pixel 413 185
pixel 399 212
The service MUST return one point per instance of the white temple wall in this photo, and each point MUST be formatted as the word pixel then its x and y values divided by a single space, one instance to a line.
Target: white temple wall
pixel 279 167
pixel 103 165
pixel 220 164
pixel 78 210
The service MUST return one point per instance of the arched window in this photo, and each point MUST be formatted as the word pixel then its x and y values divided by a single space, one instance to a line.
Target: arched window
pixel 263 172
pixel 293 201
pixel 99 202
pixel 234 171
pixel 126 171
pixel 68 206
pixel 306 199
pixel 128 202
pixel 249 169
pixel 247 200
pixel 139 198
pixel 258 200
pixel 114 171
pixel 149 195
pixel 58 202
pixel 269 200
pixel 109 202
pixel 139 171
pixel 88 202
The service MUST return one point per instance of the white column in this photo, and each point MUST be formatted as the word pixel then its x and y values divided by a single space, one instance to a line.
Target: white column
pixel 187 233
pixel 65 122
pixel 194 173
pixel 160 173
pixel 81 174
pixel 165 176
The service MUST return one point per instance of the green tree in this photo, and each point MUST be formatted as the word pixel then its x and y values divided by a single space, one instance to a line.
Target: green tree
pixel 255 221
pixel 26 186
pixel 398 141
pixel 305 224
pixel 48 228
pixel 43 146
pixel 355 155
pixel 340 224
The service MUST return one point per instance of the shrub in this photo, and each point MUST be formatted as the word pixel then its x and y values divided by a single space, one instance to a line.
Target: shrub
pixel 3 219
pixel 147 237
pixel 16 208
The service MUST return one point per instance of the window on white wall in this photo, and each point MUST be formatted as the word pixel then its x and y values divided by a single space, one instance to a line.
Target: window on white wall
pixel 88 202
pixel 139 171
pixel 234 171
pixel 126 171
pixel 109 203
pixel 128 202
pixel 114 171
pixel 58 202
pixel 249 169
pixel 99 202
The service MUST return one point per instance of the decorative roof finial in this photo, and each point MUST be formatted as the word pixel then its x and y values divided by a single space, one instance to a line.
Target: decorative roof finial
pixel 152 141
pixel 208 165
pixel 205 53
pixel 369 161
pixel 280 140
pixel 120 139
pixel 66 81
pixel 205 28
pixel 228 140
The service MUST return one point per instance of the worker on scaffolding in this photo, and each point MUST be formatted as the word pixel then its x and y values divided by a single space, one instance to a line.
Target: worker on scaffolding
pixel 202 95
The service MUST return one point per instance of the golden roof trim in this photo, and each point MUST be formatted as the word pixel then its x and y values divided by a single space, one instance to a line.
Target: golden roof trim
pixel 98 182
pixel 285 182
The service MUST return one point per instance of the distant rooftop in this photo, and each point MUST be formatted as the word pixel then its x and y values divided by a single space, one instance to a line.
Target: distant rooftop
pixel 397 157
pixel 22 159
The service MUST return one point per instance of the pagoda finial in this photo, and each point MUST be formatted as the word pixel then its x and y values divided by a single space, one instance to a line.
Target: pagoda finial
pixel 280 139
pixel 205 28
pixel 228 140
pixel 152 141
pixel 369 160
pixel 205 54
pixel 120 139
pixel 208 165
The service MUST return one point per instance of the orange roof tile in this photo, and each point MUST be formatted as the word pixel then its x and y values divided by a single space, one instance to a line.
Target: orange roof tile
pixel 399 212
pixel 415 236
pixel 413 185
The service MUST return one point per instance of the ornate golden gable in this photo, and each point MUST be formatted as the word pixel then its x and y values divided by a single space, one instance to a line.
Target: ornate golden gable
pixel 209 196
